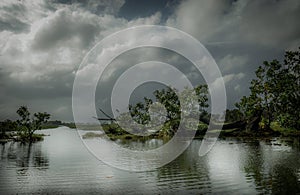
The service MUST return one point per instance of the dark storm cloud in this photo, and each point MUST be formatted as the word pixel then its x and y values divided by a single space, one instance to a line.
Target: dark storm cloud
pixel 241 34
pixel 38 66
pixel 63 27
pixel 9 18
pixel 42 43
pixel 14 26
pixel 95 6
pixel 137 8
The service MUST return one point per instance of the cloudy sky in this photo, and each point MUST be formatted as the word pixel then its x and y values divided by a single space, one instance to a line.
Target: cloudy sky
pixel 42 43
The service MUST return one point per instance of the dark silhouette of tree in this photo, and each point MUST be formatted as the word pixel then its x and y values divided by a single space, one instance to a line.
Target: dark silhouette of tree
pixel 27 125
pixel 6 126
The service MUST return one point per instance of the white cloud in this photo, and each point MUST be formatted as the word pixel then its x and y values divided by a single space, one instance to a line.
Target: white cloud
pixel 237 87
pixel 38 59
pixel 58 41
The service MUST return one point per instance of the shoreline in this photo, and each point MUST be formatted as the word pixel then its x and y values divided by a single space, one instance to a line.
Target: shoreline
pixel 224 133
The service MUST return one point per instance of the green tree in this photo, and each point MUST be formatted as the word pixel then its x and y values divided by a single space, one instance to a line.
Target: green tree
pixel 275 93
pixel 262 91
pixel 139 112
pixel 287 92
pixel 233 115
pixel 27 125
pixel 169 99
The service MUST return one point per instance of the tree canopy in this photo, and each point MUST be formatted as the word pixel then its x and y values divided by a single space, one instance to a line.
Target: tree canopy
pixel 170 100
pixel 27 125
pixel 275 93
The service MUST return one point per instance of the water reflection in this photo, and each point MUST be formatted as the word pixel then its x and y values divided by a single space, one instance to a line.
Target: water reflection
pixel 21 164
pixel 62 165
pixel 254 166
pixel 272 166
pixel 25 155
pixel 149 144
pixel 187 172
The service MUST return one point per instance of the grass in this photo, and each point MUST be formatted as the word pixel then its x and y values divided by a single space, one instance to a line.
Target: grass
pixel 114 133
pixel 89 127
pixel 35 138
pixel 90 135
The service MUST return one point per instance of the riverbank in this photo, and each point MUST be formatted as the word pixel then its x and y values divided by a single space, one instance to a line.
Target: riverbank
pixel 13 136
pixel 228 133
pixel 114 132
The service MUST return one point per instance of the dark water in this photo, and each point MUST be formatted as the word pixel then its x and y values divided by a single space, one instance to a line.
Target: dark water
pixel 62 165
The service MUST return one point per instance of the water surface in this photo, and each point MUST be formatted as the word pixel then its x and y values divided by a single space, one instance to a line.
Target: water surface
pixel 62 165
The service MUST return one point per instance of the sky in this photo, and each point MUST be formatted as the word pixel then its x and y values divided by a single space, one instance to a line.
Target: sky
pixel 42 44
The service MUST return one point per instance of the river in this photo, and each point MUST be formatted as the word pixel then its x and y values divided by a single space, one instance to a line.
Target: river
pixel 62 165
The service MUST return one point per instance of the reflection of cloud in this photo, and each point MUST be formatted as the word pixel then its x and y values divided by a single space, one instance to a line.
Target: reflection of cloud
pixel 225 165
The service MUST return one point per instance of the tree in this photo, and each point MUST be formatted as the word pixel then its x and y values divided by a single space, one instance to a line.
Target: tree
pixel 139 112
pixel 27 125
pixel 6 126
pixel 287 92
pixel 169 99
pixel 262 91
pixel 275 93
pixel 233 116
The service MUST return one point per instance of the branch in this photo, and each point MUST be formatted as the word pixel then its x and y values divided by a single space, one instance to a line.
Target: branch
pixel 104 119
pixel 106 114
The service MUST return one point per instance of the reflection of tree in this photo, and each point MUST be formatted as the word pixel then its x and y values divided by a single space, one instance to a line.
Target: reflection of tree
pixel 187 172
pixel 286 181
pixel 40 160
pixel 2 151
pixel 26 155
pixel 276 175
pixel 254 166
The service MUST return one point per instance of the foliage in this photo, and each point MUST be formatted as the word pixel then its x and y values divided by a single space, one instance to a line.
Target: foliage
pixel 27 126
pixel 6 126
pixel 233 115
pixel 113 128
pixel 51 124
pixel 91 135
pixel 275 93
pixel 169 99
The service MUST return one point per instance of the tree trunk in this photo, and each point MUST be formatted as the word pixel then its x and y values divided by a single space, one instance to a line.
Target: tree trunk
pixel 253 125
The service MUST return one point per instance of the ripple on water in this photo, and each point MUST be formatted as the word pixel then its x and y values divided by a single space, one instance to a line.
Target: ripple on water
pixel 62 165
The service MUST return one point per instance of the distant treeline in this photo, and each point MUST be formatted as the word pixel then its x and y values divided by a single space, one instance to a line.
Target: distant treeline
pixel 57 123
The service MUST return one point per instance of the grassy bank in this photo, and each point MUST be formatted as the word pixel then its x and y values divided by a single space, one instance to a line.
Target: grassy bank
pixel 114 132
